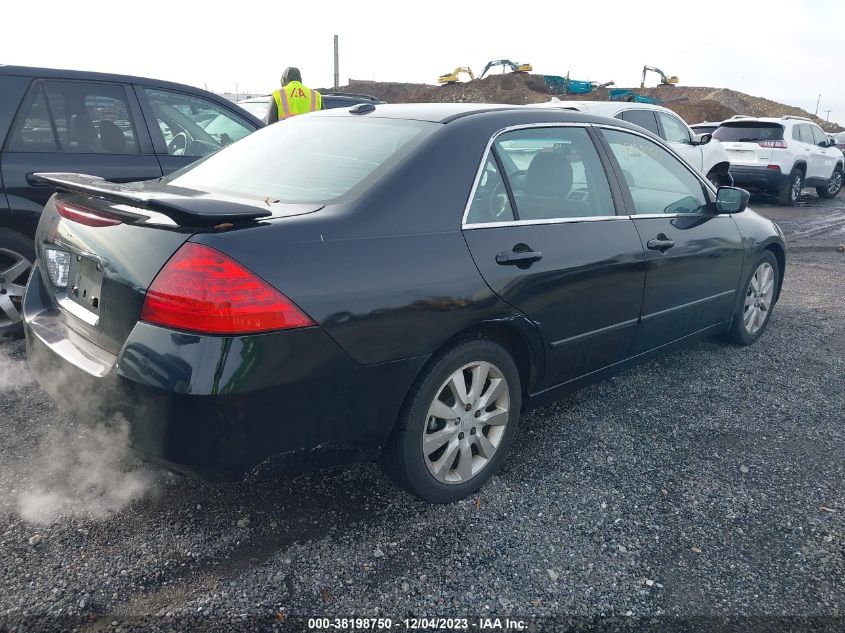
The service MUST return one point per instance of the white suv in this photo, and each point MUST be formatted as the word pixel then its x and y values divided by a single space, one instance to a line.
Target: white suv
pixel 781 156
pixel 708 158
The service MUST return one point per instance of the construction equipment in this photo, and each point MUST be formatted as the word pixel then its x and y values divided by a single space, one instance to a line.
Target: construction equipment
pixel 629 96
pixel 454 76
pixel 566 86
pixel 664 80
pixel 506 63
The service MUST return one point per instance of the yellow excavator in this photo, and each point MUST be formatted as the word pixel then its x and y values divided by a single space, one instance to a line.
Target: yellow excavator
pixel 515 67
pixel 454 76
pixel 664 80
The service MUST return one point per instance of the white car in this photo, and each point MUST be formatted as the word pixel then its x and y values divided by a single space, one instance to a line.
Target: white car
pixel 781 156
pixel 708 158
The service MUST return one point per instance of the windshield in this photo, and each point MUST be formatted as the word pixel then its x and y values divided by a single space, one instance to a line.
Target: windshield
pixel 749 131
pixel 307 159
pixel 256 108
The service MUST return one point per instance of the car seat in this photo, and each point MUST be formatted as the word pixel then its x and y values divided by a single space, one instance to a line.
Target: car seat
pixel 82 136
pixel 546 189
pixel 111 138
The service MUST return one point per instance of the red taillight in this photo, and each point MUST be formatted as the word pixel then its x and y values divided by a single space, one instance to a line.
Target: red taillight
pixel 88 217
pixel 202 290
pixel 772 144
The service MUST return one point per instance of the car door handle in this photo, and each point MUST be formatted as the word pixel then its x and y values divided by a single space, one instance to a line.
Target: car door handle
pixel 660 243
pixel 506 258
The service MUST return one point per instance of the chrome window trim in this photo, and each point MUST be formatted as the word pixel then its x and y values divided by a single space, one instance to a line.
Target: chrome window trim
pixel 586 218
pixel 593 218
pixel 480 170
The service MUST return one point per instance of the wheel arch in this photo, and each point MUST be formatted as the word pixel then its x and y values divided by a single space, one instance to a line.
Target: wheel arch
pixel 19 223
pixel 517 340
pixel 780 255
pixel 722 167
pixel 801 166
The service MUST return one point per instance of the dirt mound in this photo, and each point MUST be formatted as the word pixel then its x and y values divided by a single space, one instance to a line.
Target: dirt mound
pixel 701 104
pixel 512 88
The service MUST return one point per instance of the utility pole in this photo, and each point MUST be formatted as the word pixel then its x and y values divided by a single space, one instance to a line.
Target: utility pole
pixel 336 65
pixel 817 104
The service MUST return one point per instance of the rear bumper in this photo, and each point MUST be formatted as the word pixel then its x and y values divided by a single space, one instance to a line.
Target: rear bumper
pixel 757 178
pixel 292 400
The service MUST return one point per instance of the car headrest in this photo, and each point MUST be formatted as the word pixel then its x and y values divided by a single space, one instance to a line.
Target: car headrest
pixel 111 138
pixel 549 174
pixel 81 133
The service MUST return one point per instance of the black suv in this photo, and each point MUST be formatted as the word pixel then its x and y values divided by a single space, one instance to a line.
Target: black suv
pixel 114 126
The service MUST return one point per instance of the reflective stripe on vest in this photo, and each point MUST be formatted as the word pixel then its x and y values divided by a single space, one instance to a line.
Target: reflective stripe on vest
pixel 292 100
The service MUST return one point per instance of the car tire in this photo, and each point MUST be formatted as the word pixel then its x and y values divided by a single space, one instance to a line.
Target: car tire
pixel 834 186
pixel 15 251
pixel 465 453
pixel 790 191
pixel 758 299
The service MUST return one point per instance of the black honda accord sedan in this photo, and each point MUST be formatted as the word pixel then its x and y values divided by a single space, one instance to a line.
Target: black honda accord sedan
pixel 393 282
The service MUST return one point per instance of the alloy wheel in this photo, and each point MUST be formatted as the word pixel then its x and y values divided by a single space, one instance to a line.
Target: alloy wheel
pixel 758 298
pixel 835 183
pixel 795 189
pixel 14 273
pixel 466 422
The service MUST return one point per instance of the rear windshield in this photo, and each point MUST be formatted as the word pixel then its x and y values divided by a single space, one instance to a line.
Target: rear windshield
pixel 306 159
pixel 749 131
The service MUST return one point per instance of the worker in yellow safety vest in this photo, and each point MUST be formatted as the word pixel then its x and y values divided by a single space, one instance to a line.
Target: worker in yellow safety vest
pixel 293 98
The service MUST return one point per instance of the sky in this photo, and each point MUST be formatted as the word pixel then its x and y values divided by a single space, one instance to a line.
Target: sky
pixel 786 50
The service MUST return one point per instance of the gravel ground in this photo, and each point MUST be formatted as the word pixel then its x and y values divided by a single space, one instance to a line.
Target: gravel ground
pixel 703 488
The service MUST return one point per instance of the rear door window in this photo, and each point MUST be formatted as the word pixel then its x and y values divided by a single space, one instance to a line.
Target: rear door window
pixel 490 201
pixel 643 118
pixel 34 130
pixel 554 173
pixel 76 117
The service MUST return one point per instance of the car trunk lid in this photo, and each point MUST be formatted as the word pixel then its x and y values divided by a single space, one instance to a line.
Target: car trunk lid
pixel 101 245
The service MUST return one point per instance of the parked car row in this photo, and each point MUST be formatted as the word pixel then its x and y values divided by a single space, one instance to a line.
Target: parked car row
pixel 117 127
pixel 694 147
pixel 780 156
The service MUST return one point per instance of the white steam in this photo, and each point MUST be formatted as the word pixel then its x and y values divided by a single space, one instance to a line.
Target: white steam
pixel 82 471
pixel 13 374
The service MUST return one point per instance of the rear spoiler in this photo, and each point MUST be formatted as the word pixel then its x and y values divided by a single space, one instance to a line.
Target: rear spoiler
pixel 186 210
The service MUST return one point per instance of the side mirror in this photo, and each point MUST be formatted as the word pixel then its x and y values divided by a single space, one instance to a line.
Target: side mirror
pixel 701 139
pixel 731 200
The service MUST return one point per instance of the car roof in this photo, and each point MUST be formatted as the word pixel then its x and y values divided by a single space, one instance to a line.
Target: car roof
pixel 599 106
pixel 448 112
pixel 58 73
pixel 785 120
pixel 334 95
pixel 85 75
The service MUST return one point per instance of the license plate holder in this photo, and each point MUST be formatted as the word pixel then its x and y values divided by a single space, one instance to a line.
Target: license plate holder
pixel 86 282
